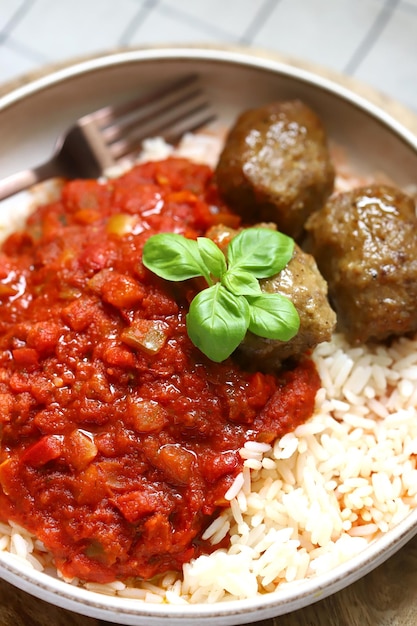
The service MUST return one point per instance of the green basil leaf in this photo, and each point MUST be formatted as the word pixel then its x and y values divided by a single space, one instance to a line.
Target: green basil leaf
pixel 173 257
pixel 241 283
pixel 212 256
pixel 261 251
pixel 273 316
pixel 220 316
pixel 217 322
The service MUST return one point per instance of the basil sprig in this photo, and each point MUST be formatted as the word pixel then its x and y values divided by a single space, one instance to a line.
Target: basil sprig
pixel 233 303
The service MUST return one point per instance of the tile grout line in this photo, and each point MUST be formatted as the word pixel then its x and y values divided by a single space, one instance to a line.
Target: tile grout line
pixel 258 21
pixel 145 9
pixel 407 6
pixel 371 36
pixel 195 21
pixel 17 16
pixel 24 50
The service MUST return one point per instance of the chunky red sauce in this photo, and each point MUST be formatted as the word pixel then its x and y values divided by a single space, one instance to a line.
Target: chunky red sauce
pixel 118 438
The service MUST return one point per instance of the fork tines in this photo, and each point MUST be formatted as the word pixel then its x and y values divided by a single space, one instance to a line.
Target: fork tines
pixel 170 111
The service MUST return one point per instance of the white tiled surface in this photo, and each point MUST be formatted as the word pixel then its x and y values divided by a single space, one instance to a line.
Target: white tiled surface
pixel 327 32
pixel 373 40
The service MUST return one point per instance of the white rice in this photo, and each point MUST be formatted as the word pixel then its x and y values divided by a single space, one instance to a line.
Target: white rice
pixel 315 498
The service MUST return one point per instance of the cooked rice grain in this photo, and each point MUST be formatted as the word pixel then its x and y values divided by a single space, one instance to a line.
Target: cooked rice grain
pixel 314 499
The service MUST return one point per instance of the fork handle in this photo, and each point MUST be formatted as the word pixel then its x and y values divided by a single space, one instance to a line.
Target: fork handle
pixel 25 179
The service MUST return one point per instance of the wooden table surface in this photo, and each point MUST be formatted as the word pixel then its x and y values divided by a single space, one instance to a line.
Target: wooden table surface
pixel 385 597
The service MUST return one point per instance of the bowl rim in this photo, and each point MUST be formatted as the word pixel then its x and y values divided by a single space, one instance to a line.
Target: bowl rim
pixel 222 55
pixel 302 593
pixel 297 594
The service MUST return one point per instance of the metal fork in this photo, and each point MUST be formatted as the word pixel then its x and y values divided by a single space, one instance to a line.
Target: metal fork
pixel 100 139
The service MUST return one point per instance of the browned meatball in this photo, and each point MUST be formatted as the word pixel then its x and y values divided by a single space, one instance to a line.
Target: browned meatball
pixel 302 283
pixel 275 165
pixel 365 245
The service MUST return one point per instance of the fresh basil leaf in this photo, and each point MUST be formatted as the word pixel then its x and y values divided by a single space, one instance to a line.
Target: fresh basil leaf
pixel 241 283
pixel 261 251
pixel 273 316
pixel 212 256
pixel 220 315
pixel 173 257
pixel 217 322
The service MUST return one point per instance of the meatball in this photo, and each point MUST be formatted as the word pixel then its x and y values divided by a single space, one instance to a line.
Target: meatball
pixel 365 245
pixel 302 283
pixel 275 166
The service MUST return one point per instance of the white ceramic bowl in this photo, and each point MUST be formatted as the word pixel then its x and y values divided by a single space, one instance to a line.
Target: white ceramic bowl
pixel 33 115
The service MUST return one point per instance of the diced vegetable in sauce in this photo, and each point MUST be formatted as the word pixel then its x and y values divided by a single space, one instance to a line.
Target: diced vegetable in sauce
pixel 119 439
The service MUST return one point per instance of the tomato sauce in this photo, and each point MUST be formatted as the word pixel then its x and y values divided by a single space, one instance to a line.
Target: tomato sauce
pixel 119 439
